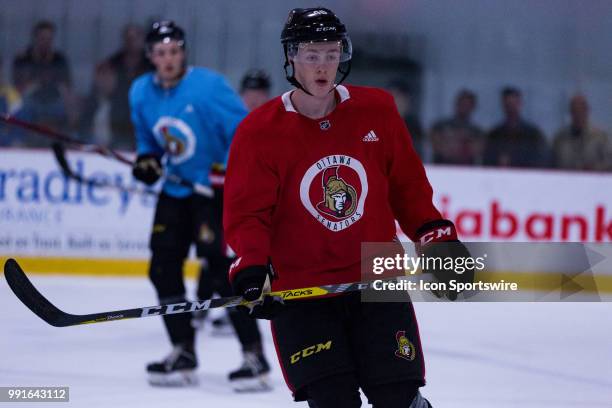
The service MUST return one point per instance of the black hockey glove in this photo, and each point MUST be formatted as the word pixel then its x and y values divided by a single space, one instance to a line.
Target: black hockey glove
pixel 147 168
pixel 253 284
pixel 441 249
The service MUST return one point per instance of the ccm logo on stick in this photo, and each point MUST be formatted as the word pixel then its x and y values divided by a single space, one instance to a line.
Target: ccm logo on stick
pixel 175 308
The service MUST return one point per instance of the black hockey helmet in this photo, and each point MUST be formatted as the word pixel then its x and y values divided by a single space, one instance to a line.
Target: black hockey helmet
pixel 164 31
pixel 316 24
pixel 255 79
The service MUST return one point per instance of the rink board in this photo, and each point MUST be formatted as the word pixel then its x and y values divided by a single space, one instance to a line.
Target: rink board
pixel 54 225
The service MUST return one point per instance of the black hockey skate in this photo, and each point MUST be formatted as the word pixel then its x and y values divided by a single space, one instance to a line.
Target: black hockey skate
pixel 252 375
pixel 176 370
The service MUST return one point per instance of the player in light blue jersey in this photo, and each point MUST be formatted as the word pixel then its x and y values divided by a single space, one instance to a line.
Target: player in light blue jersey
pixel 254 91
pixel 184 119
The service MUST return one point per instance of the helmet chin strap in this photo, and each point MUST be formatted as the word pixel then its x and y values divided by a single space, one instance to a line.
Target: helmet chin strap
pixel 291 78
pixel 344 73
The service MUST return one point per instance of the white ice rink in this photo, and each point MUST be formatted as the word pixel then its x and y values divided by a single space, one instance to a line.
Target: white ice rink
pixel 477 355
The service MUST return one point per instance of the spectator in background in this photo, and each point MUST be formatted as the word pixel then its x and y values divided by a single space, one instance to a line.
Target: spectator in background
pixel 128 63
pixel 42 75
pixel 457 140
pixel 40 65
pixel 255 88
pixel 10 99
pixel 581 146
pixel 403 100
pixel 10 102
pixel 515 142
pixel 96 122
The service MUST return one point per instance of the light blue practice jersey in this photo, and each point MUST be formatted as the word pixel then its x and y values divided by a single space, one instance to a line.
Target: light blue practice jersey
pixel 191 124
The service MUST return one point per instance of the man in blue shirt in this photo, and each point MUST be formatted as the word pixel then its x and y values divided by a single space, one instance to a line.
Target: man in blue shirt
pixel 184 119
pixel 254 91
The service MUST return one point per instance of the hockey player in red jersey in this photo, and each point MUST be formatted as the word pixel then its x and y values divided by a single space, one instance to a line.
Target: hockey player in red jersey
pixel 311 175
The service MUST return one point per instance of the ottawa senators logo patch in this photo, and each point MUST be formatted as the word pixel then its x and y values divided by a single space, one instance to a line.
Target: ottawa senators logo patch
pixel 339 198
pixel 177 138
pixel 207 235
pixel 333 190
pixel 405 348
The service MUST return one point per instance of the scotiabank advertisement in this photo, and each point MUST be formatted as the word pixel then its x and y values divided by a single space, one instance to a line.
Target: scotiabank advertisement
pixel 44 214
pixel 524 205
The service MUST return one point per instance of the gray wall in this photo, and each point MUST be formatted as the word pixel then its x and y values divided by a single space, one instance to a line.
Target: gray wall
pixel 549 48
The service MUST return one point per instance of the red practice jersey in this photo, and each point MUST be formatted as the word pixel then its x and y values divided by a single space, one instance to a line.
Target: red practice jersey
pixel 304 193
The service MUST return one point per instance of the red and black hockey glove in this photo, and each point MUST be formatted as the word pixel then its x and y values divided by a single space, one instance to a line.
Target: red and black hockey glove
pixel 438 243
pixel 253 284
pixel 147 168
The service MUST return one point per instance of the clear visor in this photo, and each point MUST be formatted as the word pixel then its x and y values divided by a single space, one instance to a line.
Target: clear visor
pixel 321 52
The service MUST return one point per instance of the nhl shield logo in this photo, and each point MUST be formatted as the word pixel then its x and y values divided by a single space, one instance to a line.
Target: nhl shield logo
pixel 333 190
pixel 324 124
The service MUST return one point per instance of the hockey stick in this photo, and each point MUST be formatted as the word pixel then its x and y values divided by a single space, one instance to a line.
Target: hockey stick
pixel 37 303
pixel 60 156
pixel 98 149
pixel 60 137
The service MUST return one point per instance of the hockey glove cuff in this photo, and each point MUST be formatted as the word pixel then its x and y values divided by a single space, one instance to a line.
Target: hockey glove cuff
pixel 438 243
pixel 253 284
pixel 147 168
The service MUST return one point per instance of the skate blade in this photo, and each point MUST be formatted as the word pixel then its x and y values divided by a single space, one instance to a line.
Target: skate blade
pixel 255 384
pixel 183 378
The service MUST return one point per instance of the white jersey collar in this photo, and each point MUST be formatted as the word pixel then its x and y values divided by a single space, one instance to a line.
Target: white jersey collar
pixel 286 97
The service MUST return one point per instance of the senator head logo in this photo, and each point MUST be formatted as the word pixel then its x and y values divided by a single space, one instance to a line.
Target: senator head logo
pixel 333 190
pixel 174 145
pixel 405 348
pixel 339 198
pixel 176 137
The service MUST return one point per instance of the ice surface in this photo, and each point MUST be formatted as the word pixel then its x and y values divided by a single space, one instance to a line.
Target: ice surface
pixel 477 355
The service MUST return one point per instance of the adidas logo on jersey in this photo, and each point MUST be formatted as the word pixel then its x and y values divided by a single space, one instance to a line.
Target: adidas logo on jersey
pixel 370 137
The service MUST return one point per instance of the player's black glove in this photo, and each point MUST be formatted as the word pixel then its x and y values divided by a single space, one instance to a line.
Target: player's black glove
pixel 437 243
pixel 253 284
pixel 147 168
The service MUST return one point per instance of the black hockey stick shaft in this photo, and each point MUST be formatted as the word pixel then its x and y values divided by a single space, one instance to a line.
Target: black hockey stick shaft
pixel 60 156
pixel 94 148
pixel 60 137
pixel 37 303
